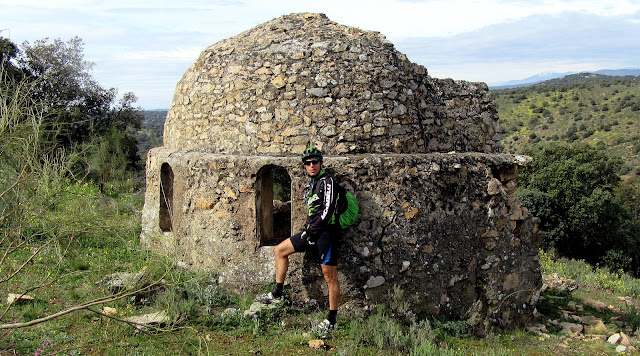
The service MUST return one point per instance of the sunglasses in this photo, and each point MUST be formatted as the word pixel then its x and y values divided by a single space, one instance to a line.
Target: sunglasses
pixel 310 162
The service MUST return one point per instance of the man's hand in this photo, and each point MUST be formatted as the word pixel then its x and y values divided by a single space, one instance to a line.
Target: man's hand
pixel 305 236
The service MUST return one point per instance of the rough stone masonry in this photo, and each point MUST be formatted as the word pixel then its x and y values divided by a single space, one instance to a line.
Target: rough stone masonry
pixel 439 222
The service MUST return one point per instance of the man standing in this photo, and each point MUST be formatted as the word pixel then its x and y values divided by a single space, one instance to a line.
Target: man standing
pixel 321 234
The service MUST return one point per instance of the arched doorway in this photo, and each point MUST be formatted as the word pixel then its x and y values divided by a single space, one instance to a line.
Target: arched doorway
pixel 273 205
pixel 166 198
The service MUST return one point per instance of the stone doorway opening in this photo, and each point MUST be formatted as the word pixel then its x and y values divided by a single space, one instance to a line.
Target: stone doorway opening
pixel 273 205
pixel 166 197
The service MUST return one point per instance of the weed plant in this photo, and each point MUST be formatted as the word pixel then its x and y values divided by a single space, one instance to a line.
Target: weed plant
pixel 585 274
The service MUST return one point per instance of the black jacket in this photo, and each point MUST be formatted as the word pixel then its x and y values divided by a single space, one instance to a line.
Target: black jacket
pixel 321 195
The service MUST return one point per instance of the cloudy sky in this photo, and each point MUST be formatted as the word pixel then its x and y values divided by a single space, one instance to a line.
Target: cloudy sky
pixel 146 46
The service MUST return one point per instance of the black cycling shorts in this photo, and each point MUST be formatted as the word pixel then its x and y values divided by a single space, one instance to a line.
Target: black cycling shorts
pixel 326 247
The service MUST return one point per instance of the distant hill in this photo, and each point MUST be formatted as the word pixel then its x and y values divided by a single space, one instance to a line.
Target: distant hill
pixel 538 78
pixel 597 109
pixel 150 135
pixel 154 117
pixel 584 77
pixel 530 80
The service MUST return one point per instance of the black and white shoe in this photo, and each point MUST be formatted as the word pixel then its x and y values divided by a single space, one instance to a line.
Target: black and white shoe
pixel 268 298
pixel 326 327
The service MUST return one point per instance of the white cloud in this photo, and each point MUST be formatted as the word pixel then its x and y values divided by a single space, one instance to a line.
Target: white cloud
pixel 146 46
pixel 167 56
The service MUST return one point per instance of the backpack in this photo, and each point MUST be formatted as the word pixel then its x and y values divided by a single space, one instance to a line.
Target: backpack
pixel 347 208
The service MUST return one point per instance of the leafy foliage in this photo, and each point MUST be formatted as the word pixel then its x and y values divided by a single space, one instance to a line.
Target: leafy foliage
pixel 75 108
pixel 582 131
pixel 8 53
pixel 571 188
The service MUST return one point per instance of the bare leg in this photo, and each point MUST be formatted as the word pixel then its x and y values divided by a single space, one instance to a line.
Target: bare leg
pixel 282 252
pixel 331 277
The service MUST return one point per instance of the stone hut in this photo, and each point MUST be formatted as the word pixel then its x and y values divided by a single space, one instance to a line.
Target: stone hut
pixel 438 221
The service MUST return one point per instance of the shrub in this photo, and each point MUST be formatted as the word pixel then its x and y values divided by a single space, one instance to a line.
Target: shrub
pixel 384 332
pixel 570 187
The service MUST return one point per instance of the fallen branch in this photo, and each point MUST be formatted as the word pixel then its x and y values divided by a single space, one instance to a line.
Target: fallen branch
pixel 79 307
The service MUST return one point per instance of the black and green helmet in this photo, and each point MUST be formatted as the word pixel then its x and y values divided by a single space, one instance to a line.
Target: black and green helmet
pixel 311 152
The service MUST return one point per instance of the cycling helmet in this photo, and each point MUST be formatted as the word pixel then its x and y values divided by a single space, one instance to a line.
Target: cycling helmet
pixel 311 152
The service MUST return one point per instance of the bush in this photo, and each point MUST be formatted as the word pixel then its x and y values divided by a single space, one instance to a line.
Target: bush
pixel 570 188
pixel 384 332
pixel 584 273
pixel 51 219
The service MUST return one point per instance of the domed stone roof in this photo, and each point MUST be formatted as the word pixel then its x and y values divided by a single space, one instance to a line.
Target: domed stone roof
pixel 302 79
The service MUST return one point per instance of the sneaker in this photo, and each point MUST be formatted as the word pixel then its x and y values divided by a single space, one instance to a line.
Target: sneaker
pixel 325 327
pixel 268 298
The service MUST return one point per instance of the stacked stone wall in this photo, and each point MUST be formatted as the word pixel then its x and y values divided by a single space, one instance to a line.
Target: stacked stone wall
pixel 443 228
pixel 303 78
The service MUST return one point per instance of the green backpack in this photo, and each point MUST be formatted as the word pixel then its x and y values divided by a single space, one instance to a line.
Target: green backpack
pixel 347 208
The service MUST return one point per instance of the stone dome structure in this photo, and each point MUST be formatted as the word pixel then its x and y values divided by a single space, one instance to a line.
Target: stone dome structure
pixel 303 78
pixel 439 221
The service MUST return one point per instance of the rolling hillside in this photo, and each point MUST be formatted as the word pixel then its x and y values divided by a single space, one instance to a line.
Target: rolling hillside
pixel 597 109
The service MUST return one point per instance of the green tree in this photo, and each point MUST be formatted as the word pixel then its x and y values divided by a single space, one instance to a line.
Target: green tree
pixel 81 110
pixel 8 53
pixel 570 187
pixel 64 82
pixel 127 120
pixel 628 196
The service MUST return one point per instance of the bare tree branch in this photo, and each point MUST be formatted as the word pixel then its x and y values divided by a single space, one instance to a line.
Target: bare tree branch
pixel 31 289
pixel 33 255
pixel 80 307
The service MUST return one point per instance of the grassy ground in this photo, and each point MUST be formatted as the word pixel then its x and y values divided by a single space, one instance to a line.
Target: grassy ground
pixel 102 237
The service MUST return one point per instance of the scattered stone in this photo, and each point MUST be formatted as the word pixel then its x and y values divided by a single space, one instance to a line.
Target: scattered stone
pixel 278 82
pixel 316 344
pixel 538 329
pixel 621 348
pixel 405 265
pixel 558 283
pixel 156 318
pixel 120 281
pixel 571 315
pixel 411 213
pixel 596 304
pixel 109 311
pixel 575 306
pixel 318 92
pixel 614 339
pixel 590 319
pixel 203 203
pixel 494 187
pixel 595 327
pixel 18 298
pixel 571 329
pixel 624 339
pixel 376 281
pixel 257 307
